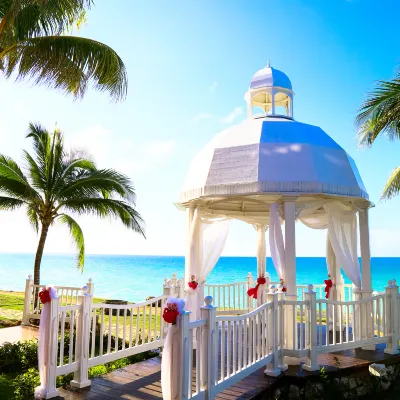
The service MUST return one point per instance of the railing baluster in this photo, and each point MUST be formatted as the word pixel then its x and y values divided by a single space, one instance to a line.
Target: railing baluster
pixel 124 330
pixel 71 335
pixel 101 332
pixel 240 345
pixel 62 338
pixel 150 332
pixel 137 325
pixel 93 331
pixel 109 330
pixel 131 327
pixel 229 350
pixel 117 330
pixel 223 350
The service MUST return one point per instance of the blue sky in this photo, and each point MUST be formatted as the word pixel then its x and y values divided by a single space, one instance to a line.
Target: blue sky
pixel 189 65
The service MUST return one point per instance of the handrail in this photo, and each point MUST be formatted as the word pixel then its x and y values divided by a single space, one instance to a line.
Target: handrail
pixel 129 305
pixel 244 316
pixel 351 303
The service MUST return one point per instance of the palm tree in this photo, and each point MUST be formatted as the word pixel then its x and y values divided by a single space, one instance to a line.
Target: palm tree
pixel 380 115
pixel 57 183
pixel 33 45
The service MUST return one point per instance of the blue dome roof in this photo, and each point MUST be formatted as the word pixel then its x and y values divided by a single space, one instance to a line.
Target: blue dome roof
pixel 269 77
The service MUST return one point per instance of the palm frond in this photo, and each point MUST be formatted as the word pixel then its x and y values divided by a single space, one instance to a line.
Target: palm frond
pixel 392 187
pixel 67 63
pixel 105 182
pixel 77 237
pixel 33 217
pixel 380 113
pixel 9 203
pixel 32 18
pixel 104 208
pixel 13 182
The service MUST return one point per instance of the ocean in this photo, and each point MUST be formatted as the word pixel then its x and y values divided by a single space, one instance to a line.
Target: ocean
pixel 134 278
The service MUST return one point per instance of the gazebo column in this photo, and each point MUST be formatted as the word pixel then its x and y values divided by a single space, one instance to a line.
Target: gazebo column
pixel 289 213
pixel 366 285
pixel 365 251
pixel 261 257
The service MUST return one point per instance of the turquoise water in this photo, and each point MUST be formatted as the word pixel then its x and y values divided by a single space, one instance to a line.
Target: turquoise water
pixel 134 278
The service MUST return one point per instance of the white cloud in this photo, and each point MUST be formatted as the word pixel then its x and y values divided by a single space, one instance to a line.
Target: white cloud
pixel 213 87
pixel 231 117
pixel 201 117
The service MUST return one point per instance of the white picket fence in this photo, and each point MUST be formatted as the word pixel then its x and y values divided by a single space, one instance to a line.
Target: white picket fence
pixel 219 350
pixel 233 347
pixel 232 298
pixel 68 295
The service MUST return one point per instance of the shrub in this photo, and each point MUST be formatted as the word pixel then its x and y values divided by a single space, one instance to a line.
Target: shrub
pixel 17 357
pixel 24 385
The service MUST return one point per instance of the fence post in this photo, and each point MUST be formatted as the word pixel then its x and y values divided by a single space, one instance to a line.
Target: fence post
pixel 368 328
pixel 184 362
pixel 274 368
pixel 357 333
pixel 47 388
pixel 311 360
pixel 27 300
pixel 81 379
pixel 167 287
pixel 250 282
pixel 208 348
pixel 90 286
pixel 392 319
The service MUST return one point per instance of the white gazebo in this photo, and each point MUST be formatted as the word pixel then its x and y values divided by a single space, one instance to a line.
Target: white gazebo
pixel 271 170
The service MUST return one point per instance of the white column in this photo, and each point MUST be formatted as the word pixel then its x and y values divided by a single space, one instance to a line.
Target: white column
pixel 365 251
pixel 289 211
pixel 261 249
pixel 273 102
pixel 188 259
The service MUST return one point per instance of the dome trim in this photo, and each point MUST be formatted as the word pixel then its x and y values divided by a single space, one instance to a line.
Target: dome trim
pixel 264 187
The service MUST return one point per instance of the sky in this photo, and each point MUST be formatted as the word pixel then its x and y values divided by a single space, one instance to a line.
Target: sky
pixel 189 64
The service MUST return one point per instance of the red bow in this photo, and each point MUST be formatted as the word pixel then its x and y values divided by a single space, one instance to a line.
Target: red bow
pixel 253 291
pixel 170 315
pixel 193 285
pixel 328 285
pixel 44 296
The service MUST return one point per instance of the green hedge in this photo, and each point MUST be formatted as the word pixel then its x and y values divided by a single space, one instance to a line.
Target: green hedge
pixel 18 367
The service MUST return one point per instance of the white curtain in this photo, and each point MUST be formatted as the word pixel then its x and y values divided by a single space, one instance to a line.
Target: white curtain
pixel 171 361
pixel 43 346
pixel 341 222
pixel 342 231
pixel 276 244
pixel 207 241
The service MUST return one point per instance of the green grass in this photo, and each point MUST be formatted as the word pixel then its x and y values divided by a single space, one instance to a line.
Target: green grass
pixel 12 301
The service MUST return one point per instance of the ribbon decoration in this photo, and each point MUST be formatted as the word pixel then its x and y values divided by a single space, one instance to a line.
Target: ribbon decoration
pixel 282 282
pixel 328 285
pixel 252 292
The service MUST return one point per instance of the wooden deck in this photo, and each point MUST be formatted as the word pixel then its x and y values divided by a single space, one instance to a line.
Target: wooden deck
pixel 142 381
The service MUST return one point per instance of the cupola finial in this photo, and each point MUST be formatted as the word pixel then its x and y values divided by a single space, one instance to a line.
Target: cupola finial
pixel 268 64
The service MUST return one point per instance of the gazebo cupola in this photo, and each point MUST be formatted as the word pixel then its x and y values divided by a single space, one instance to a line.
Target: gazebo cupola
pixel 271 91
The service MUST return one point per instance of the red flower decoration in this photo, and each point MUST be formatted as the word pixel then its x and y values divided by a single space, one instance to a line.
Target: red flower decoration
pixel 283 289
pixel 328 285
pixel 252 292
pixel 193 285
pixel 44 296
pixel 170 315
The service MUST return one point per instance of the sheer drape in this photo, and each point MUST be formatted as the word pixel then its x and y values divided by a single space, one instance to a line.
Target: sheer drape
pixel 341 222
pixel 276 244
pixel 171 361
pixel 342 231
pixel 207 241
pixel 43 345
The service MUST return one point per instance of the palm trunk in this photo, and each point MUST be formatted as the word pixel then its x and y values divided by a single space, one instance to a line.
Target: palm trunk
pixel 39 254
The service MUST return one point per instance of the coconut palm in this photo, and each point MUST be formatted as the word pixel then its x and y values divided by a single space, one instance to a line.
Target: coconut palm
pixel 57 183
pixel 33 45
pixel 380 115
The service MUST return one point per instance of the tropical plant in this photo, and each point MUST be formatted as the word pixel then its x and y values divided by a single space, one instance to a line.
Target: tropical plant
pixel 380 115
pixel 34 45
pixel 57 183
